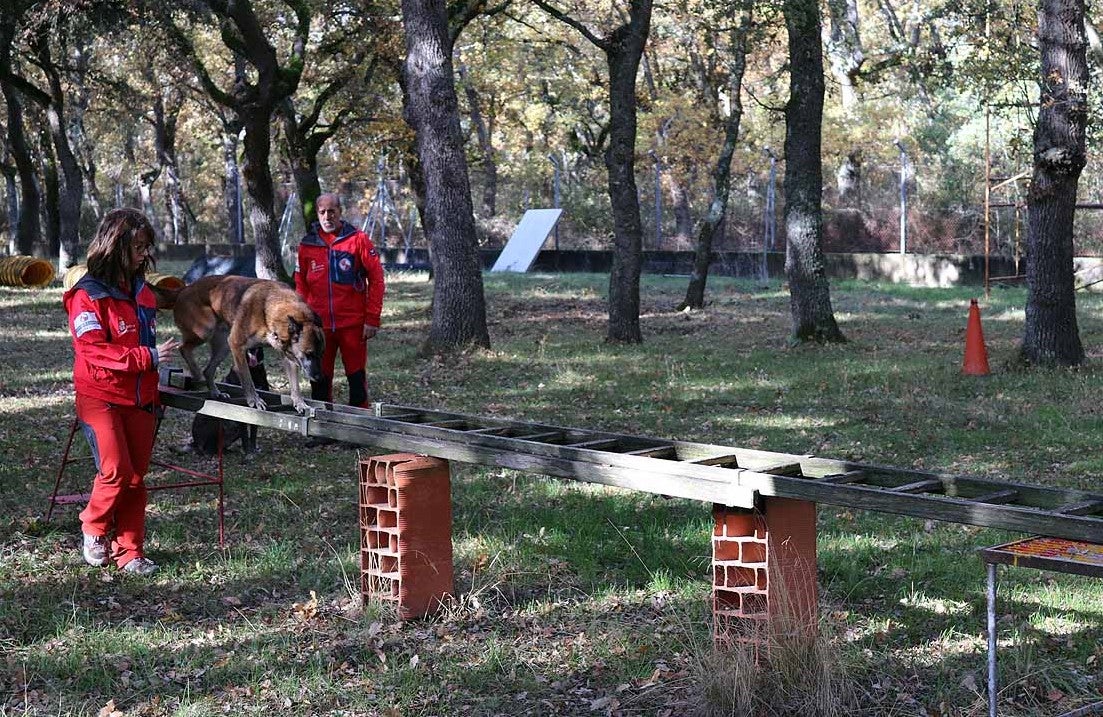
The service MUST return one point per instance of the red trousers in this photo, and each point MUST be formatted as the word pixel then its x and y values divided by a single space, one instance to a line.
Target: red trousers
pixel 121 438
pixel 354 355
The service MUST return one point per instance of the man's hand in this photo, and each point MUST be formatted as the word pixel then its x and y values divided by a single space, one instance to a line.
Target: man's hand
pixel 370 332
pixel 165 349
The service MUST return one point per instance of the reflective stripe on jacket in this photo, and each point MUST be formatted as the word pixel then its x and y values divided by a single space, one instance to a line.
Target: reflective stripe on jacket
pixel 115 342
pixel 341 281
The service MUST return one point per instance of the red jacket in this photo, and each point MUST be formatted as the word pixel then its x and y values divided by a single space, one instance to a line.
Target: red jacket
pixel 340 277
pixel 114 339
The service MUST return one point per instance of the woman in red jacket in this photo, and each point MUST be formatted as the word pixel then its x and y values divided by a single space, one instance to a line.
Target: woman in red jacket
pixel 112 314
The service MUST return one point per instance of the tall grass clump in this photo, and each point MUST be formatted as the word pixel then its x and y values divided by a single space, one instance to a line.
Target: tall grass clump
pixel 794 673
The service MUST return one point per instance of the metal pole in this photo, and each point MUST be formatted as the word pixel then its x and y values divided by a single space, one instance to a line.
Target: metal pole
pixel 992 678
pixel 903 197
pixel 769 219
pixel 987 194
pixel 555 196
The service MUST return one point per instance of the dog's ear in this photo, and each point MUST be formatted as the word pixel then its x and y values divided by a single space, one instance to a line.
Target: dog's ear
pixel 294 327
pixel 315 318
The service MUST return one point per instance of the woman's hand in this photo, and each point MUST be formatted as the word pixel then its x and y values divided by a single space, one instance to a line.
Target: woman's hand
pixel 166 349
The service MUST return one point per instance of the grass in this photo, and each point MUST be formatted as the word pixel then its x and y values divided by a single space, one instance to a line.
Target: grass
pixel 572 599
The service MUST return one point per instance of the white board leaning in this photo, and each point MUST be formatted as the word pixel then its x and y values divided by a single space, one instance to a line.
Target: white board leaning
pixel 531 233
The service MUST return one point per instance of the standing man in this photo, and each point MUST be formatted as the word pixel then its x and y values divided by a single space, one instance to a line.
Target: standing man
pixel 340 276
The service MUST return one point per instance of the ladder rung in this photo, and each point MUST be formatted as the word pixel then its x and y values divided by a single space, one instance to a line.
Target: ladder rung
pixel 729 460
pixel 540 436
pixel 1083 507
pixel 847 477
pixel 919 486
pixel 489 429
pixel 997 496
pixel 592 445
pixel 781 469
pixel 446 423
pixel 401 417
pixel 651 452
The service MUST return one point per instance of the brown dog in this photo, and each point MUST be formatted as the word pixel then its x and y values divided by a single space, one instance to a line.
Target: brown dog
pixel 234 314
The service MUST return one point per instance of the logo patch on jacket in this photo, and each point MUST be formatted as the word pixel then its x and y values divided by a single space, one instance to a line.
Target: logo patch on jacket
pixel 344 264
pixel 124 327
pixel 84 322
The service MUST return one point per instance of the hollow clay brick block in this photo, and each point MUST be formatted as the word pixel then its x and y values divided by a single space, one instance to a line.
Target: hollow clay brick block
pixel 406 532
pixel 764 570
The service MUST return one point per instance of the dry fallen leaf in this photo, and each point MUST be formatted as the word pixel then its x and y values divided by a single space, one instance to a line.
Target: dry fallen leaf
pixel 108 710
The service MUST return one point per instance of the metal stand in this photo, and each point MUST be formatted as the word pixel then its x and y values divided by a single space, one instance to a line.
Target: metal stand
pixel 203 479
pixel 1063 556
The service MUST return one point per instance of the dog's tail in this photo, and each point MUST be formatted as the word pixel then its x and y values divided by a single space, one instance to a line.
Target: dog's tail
pixel 166 297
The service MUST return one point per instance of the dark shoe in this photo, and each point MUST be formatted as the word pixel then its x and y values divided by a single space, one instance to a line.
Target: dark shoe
pixel 316 441
pixel 141 566
pixel 94 550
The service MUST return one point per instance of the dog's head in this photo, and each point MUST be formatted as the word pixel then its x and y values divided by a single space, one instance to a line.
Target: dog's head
pixel 304 342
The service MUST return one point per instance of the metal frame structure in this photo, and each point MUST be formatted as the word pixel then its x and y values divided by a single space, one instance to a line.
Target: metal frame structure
pixel 201 479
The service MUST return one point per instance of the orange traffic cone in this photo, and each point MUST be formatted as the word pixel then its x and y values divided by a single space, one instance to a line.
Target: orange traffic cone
pixel 976 355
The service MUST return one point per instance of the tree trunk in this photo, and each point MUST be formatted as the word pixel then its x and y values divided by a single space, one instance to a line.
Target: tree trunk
pixel 844 47
pixel 72 191
pixel 713 226
pixel 432 111
pixel 28 230
pixel 51 218
pixel 683 213
pixel 622 53
pixel 810 297
pixel 302 155
pixel 483 128
pixel 1050 333
pixel 164 132
pixel 231 187
pixel 262 209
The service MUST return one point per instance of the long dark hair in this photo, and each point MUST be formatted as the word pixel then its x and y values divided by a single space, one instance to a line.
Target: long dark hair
pixel 109 252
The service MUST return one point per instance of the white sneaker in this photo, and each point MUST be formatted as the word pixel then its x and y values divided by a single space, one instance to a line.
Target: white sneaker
pixel 95 550
pixel 141 566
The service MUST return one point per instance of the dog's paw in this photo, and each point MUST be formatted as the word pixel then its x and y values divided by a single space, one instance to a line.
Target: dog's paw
pixel 300 406
pixel 258 403
pixel 220 395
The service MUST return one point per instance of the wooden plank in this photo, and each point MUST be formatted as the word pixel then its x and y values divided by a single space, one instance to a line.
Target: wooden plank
pixel 1083 507
pixel 920 486
pixel 489 430
pixel 1007 495
pixel 843 478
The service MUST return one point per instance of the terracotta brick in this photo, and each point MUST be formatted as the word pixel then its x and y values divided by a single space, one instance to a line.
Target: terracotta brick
pixel 764 569
pixel 406 532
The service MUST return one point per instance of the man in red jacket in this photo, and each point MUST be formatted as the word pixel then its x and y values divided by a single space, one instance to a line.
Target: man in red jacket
pixel 340 276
